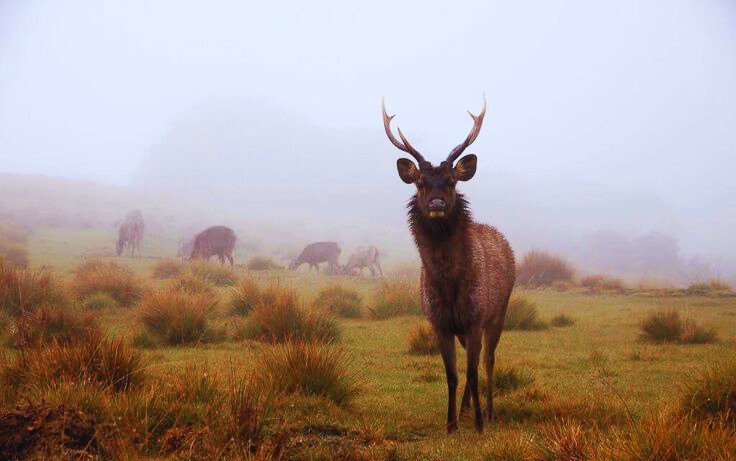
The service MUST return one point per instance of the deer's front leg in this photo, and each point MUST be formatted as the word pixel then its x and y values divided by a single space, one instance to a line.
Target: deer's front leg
pixel 447 349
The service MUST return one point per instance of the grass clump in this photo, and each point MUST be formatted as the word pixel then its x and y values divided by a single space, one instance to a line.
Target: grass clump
pixel 22 290
pixel 216 274
pixel 711 395
pixel 278 317
pixel 14 255
pixel 262 263
pixel 668 326
pixel 422 340
pixel 599 283
pixel 47 324
pixel 99 301
pixel 175 317
pixel 188 283
pixel 562 320
pixel 118 281
pixel 244 296
pixel 339 301
pixel 509 378
pixel 109 363
pixel 522 314
pixel 712 287
pixel 539 268
pixel 312 368
pixel 396 297
pixel 167 268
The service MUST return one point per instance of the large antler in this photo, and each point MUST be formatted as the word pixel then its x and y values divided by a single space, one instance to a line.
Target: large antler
pixel 405 146
pixel 477 123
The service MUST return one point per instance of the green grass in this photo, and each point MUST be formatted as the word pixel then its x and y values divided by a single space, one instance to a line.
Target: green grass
pixel 400 410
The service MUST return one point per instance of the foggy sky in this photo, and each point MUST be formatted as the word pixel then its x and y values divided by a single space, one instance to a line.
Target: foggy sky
pixel 636 96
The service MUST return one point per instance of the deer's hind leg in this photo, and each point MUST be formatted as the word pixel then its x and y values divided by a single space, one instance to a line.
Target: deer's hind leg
pixel 492 335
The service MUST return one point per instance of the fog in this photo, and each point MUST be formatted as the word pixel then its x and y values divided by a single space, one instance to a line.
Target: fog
pixel 610 124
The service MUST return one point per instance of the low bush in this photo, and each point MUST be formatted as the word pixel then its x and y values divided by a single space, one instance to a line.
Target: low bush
pixel 339 301
pixel 22 290
pixel 278 317
pixel 99 301
pixel 597 283
pixel 522 314
pixel 261 263
pixel 108 363
pixel 168 268
pixel 422 340
pixel 46 324
pixel 539 268
pixel 669 326
pixel 709 288
pixel 312 368
pixel 176 317
pixel 217 274
pixel 244 296
pixel 118 281
pixel 711 394
pixel 396 297
pixel 562 320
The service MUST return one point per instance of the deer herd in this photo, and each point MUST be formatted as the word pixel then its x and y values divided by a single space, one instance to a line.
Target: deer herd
pixel 467 272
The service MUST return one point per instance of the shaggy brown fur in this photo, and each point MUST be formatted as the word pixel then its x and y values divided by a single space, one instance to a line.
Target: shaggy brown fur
pixel 215 240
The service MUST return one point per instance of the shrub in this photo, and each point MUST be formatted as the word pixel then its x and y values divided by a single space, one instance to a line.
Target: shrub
pixel 175 317
pixel 668 326
pixel 562 320
pixel 539 268
pixel 22 290
pixel 397 297
pixel 714 286
pixel 422 340
pixel 711 394
pixel 47 324
pixel 312 368
pixel 107 277
pixel 278 317
pixel 340 301
pixel 216 274
pixel 602 283
pixel 99 301
pixel 104 362
pixel 244 296
pixel 261 263
pixel 167 268
pixel 522 314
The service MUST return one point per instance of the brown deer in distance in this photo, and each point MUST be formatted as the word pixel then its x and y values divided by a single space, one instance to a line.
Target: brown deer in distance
pixel 467 267
pixel 214 241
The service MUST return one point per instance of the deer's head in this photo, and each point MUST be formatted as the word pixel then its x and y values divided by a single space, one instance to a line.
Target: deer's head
pixel 436 194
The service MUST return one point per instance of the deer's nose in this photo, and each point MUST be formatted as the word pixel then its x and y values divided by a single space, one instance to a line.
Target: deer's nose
pixel 437 204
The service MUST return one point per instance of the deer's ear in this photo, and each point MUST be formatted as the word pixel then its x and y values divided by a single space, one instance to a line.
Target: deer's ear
pixel 408 171
pixel 465 167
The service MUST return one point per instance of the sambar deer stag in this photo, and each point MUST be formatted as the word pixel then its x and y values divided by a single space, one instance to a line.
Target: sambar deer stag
pixel 130 233
pixel 467 267
pixel 214 241
pixel 316 253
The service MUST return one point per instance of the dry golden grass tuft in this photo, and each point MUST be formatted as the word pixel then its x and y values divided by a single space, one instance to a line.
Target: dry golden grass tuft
pixel 188 283
pixel 174 316
pixel 279 317
pixel 562 320
pixel 422 340
pixel 217 274
pixel 340 301
pixel 712 287
pixel 262 263
pixel 601 283
pixel 711 394
pixel 244 296
pixel 118 281
pixel 44 325
pixel 168 268
pixel 22 290
pixel 668 326
pixel 99 301
pixel 396 297
pixel 522 314
pixel 312 368
pixel 539 268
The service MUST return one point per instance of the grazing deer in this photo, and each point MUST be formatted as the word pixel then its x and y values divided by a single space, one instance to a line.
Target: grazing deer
pixel 467 267
pixel 364 257
pixel 214 241
pixel 130 233
pixel 316 253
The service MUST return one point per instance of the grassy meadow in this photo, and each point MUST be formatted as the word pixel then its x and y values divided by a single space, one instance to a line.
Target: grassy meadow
pixel 198 363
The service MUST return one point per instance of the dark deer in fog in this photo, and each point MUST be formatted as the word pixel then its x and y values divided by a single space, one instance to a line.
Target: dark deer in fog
pixel 467 267
pixel 316 253
pixel 214 241
pixel 130 233
pixel 364 257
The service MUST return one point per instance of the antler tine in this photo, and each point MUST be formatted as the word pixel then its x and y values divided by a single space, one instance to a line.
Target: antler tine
pixel 477 123
pixel 405 146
